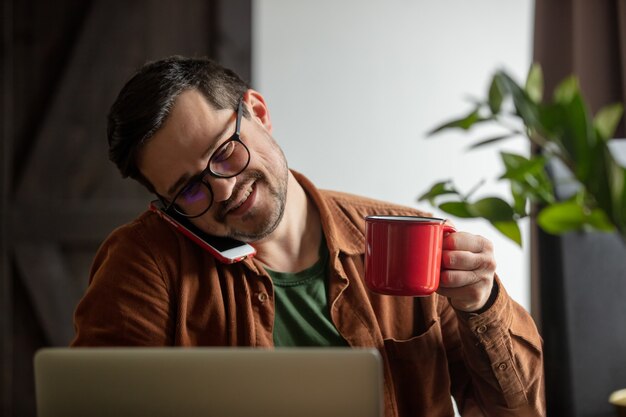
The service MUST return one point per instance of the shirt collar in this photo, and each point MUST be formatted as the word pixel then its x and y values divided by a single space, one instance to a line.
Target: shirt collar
pixel 342 235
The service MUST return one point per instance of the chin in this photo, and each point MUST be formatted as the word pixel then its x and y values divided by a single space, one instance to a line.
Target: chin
pixel 258 233
pixel 261 229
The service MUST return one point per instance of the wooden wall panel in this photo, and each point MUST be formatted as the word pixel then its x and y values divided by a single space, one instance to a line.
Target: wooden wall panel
pixel 42 35
pixel 6 152
pixel 72 142
pixel 63 63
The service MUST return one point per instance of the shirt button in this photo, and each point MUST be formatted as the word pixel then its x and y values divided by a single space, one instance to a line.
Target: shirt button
pixel 262 297
pixel 481 329
pixel 502 366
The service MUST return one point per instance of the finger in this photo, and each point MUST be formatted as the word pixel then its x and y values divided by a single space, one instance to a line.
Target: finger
pixel 459 279
pixel 467 261
pixel 467 242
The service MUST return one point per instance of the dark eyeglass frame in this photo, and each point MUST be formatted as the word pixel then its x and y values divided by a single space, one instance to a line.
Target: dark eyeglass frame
pixel 209 171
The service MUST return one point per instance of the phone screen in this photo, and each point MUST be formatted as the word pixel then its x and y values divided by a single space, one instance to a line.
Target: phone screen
pixel 225 249
pixel 220 243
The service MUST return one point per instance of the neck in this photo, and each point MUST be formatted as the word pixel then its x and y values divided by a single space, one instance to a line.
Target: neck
pixel 294 245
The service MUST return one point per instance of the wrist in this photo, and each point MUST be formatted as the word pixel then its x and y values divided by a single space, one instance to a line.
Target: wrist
pixel 482 306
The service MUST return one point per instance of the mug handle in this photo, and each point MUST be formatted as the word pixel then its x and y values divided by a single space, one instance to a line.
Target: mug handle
pixel 448 229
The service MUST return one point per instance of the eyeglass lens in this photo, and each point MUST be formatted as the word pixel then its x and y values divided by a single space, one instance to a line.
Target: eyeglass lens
pixel 195 199
pixel 229 160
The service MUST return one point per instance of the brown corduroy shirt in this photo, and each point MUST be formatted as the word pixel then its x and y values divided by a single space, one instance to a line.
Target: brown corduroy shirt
pixel 151 286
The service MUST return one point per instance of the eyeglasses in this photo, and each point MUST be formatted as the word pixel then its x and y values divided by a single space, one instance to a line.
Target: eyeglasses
pixel 229 160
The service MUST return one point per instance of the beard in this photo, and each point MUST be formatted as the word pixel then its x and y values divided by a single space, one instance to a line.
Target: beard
pixel 258 223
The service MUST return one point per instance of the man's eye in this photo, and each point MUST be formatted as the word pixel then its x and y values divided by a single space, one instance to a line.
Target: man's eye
pixel 192 192
pixel 224 152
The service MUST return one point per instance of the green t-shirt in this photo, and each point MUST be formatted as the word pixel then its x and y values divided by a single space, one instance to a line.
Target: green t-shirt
pixel 302 315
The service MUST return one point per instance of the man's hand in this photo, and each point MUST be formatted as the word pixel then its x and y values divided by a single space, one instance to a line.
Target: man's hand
pixel 468 269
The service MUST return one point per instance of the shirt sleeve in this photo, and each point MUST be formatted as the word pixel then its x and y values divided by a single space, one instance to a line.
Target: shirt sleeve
pixel 495 359
pixel 127 302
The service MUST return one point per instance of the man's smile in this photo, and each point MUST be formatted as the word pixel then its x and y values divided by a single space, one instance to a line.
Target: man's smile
pixel 241 202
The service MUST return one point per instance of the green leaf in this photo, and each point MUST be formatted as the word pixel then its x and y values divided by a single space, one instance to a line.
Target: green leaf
pixel 464 123
pixel 530 178
pixel 566 90
pixel 520 168
pixel 561 217
pixel 525 107
pixel 534 83
pixel 620 206
pixel 552 118
pixel 440 188
pixel 457 208
pixel 569 126
pixel 600 221
pixel 509 229
pixel 495 96
pixel 604 181
pixel 519 198
pixel 572 215
pixel 493 209
pixel 616 175
pixel 607 119
pixel 490 141
pixel 517 165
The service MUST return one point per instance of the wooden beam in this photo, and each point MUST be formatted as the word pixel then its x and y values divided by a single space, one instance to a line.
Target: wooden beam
pixel 6 139
pixel 51 289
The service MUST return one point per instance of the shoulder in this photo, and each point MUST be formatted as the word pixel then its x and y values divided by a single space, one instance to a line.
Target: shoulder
pixel 146 245
pixel 147 230
pixel 338 202
pixel 365 206
pixel 344 216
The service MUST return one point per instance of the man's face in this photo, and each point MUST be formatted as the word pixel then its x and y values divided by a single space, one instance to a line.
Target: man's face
pixel 248 206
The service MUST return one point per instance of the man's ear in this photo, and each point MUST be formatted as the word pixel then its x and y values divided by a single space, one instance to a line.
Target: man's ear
pixel 258 109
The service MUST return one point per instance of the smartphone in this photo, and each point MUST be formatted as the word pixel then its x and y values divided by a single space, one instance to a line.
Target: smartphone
pixel 225 249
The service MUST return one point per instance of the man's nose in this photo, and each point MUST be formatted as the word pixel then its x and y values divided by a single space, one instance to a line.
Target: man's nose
pixel 222 187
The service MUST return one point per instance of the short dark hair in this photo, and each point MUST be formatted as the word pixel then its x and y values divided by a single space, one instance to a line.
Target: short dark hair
pixel 146 100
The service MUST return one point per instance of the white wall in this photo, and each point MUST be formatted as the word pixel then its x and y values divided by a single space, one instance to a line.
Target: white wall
pixel 353 85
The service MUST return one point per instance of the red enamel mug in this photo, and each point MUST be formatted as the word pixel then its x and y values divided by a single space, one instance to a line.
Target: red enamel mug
pixel 403 254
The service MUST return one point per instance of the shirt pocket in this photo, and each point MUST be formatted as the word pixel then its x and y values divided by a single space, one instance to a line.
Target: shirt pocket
pixel 419 370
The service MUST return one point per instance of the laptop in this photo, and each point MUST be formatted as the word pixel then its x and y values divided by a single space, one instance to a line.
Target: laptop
pixel 213 382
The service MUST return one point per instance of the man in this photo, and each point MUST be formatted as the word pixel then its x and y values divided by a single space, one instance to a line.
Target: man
pixel 172 128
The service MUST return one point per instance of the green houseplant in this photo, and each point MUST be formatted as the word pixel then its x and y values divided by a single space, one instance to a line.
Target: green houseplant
pixel 562 129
